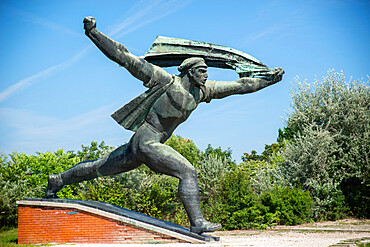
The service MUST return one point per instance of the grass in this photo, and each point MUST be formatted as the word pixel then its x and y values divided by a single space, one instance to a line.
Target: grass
pixel 9 238
pixel 360 242
pixel 358 222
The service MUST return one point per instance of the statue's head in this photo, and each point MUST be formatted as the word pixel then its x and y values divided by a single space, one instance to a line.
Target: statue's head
pixel 196 68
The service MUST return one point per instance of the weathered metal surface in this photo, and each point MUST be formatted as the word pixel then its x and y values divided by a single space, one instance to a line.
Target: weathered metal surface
pixel 166 52
pixel 155 114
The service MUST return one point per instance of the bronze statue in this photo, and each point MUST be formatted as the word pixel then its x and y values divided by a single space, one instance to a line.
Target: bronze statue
pixel 154 115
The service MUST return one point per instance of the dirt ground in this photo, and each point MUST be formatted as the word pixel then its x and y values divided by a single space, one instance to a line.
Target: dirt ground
pixel 347 232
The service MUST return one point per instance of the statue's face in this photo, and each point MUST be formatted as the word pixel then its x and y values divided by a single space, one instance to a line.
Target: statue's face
pixel 199 75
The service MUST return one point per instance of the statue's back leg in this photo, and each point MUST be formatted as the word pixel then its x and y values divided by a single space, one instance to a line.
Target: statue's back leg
pixel 163 159
pixel 118 161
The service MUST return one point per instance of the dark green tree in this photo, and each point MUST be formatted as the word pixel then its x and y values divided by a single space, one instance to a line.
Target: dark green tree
pixel 329 153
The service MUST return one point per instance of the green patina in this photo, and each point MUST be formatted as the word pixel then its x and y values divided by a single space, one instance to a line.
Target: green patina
pixel 166 52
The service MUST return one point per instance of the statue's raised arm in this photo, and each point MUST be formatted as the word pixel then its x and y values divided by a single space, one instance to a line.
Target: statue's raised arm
pixel 115 51
pixel 244 85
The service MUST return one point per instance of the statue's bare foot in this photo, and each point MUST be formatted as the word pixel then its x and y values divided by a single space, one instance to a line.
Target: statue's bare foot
pixel 205 226
pixel 55 184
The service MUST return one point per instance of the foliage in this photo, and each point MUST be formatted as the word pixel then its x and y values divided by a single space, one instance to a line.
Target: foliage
pixel 229 193
pixel 225 155
pixel 290 206
pixel 263 175
pixel 271 151
pixel 238 206
pixel 235 200
pixel 308 166
pixel 186 148
pixel 150 194
pixel 26 176
pixel 329 155
pixel 9 237
pixel 210 170
pixel 94 151
pixel 324 148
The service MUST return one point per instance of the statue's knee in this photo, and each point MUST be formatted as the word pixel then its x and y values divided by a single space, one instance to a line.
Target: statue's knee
pixel 141 148
pixel 135 150
pixel 190 172
pixel 136 147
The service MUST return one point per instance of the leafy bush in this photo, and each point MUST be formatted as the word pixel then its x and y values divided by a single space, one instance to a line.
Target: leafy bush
pixel 308 166
pixel 264 175
pixel 225 155
pixel 26 176
pixel 290 206
pixel 186 148
pixel 235 197
pixel 237 205
pixel 210 170
pixel 329 153
pixel 269 152
pixel 93 151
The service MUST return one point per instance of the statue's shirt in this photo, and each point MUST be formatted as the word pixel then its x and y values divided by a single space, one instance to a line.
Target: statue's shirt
pixel 173 107
pixel 165 105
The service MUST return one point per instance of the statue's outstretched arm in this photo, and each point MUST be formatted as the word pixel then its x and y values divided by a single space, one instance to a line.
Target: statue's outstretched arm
pixel 115 51
pixel 221 89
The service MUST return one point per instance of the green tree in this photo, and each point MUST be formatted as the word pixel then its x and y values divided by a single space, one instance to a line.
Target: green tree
pixel 26 176
pixel 186 148
pixel 94 151
pixel 237 204
pixel 222 154
pixel 329 152
pixel 271 151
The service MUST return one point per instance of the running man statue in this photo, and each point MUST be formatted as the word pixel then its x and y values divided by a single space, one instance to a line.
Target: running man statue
pixel 153 116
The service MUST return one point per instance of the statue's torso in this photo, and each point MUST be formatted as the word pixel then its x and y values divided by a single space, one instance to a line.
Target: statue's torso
pixel 173 107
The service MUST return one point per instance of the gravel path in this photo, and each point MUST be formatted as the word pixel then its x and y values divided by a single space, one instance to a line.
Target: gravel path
pixel 338 233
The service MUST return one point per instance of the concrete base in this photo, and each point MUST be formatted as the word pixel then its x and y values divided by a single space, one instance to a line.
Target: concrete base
pixel 74 221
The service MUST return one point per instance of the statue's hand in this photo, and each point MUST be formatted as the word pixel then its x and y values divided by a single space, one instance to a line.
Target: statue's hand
pixel 278 74
pixel 89 23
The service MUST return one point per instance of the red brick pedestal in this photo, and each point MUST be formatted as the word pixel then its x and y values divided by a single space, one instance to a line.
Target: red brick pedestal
pixel 55 222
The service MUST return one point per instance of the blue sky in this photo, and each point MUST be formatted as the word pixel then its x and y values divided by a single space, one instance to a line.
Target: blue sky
pixel 57 90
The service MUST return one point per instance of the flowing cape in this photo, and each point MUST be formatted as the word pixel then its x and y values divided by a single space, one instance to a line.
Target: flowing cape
pixel 132 115
pixel 167 51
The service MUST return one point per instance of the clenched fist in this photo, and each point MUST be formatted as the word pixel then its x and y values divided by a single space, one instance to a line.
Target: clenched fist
pixel 89 23
pixel 278 74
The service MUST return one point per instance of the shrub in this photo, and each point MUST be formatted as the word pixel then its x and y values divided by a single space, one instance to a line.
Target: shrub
pixel 264 175
pixel 329 153
pixel 186 148
pixel 308 166
pixel 238 205
pixel 289 205
pixel 225 155
pixel 210 170
pixel 26 176
pixel 94 151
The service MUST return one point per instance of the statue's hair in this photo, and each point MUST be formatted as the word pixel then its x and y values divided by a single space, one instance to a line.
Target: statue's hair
pixel 191 62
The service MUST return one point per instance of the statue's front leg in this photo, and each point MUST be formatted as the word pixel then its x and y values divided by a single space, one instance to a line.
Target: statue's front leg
pixel 118 161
